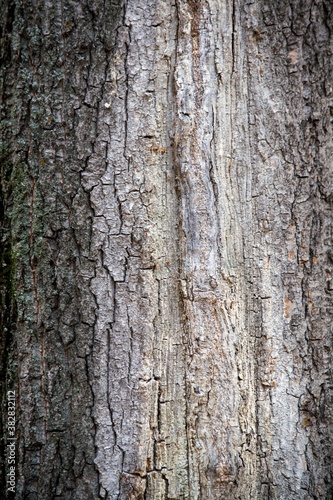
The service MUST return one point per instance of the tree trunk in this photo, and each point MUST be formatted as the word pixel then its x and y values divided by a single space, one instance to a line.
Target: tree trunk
pixel 167 248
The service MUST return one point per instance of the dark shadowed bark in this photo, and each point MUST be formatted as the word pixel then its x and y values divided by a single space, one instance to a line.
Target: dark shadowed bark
pixel 166 287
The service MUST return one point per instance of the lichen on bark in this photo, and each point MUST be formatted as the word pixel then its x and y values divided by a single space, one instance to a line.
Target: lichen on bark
pixel 167 218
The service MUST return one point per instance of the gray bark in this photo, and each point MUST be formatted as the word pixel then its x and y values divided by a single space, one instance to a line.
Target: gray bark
pixel 167 196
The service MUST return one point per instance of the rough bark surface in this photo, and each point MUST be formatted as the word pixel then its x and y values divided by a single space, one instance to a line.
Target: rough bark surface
pixel 167 194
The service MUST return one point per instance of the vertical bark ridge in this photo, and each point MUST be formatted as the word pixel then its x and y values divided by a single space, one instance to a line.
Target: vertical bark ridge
pixel 289 49
pixel 169 203
pixel 58 53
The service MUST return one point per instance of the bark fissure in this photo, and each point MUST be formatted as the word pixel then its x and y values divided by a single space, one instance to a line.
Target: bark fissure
pixel 166 231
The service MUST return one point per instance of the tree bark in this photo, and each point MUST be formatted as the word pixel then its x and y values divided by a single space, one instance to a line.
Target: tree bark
pixel 167 248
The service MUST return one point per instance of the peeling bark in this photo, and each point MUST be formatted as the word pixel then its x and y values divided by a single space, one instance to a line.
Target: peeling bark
pixel 166 240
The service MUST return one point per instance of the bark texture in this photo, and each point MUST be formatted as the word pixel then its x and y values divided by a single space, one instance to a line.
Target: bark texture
pixel 167 194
